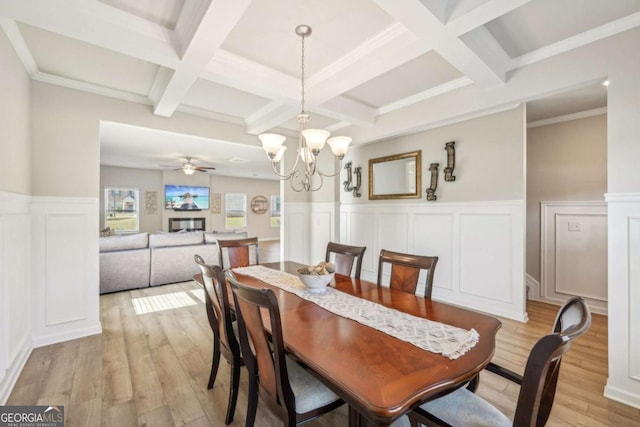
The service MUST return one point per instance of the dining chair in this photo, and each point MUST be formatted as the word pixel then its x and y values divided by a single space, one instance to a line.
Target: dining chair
pixel 344 256
pixel 238 253
pixel 537 385
pixel 294 394
pixel 225 339
pixel 405 271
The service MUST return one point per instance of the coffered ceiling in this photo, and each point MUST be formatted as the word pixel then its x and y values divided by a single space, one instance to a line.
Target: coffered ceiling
pixel 239 60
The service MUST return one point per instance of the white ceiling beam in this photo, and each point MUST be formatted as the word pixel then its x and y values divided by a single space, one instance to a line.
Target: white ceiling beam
pixel 347 110
pixel 17 41
pixel 212 29
pixel 482 14
pixel 98 24
pixel 415 16
pixel 269 116
pixel 590 36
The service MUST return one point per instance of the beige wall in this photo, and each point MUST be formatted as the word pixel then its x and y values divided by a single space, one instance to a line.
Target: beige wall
pixel 14 121
pixel 489 159
pixel 565 162
pixel 155 180
pixel 65 136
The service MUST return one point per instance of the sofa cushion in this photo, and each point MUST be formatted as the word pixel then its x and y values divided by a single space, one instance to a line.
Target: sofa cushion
pixel 176 239
pixel 124 242
pixel 214 237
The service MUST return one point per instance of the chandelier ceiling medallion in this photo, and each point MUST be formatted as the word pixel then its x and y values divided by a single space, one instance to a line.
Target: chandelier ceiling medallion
pixel 310 142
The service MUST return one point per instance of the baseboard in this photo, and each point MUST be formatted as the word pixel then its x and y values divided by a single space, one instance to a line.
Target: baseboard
pixel 66 336
pixel 267 239
pixel 622 396
pixel 13 372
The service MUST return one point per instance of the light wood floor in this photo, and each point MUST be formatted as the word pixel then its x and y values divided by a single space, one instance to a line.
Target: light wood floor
pixel 152 369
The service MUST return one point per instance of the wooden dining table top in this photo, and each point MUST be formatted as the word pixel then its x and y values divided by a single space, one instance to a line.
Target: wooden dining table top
pixel 379 376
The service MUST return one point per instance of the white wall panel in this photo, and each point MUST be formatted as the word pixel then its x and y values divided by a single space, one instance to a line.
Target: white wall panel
pixel 574 262
pixel 634 297
pixel 480 246
pixel 15 291
pixel 393 232
pixel 581 254
pixel 623 383
pixel 485 256
pixel 323 229
pixel 362 231
pixel 65 279
pixel 434 235
pixel 296 232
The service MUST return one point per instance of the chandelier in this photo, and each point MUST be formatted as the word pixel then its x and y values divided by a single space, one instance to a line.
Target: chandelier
pixel 310 143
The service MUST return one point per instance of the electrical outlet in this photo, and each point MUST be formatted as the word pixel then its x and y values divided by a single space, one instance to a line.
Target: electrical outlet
pixel 574 226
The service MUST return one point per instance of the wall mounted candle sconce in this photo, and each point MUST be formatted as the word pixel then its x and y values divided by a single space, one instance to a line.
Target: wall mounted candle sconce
pixel 450 147
pixel 431 191
pixel 348 183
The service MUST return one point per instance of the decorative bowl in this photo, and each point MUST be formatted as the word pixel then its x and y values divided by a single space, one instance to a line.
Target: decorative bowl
pixel 316 284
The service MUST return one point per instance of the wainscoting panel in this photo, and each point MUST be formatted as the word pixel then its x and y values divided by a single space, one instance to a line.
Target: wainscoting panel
pixel 578 273
pixel 362 231
pixel 296 232
pixel 480 246
pixel 634 296
pixel 65 278
pixel 434 235
pixel 65 283
pixel 486 247
pixel 623 383
pixel 15 292
pixel 323 229
pixel 573 257
pixel 393 232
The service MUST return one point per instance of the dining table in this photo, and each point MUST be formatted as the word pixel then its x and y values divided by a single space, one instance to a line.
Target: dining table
pixel 379 376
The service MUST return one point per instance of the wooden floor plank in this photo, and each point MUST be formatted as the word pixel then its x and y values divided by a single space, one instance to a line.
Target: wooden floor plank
pixel 152 370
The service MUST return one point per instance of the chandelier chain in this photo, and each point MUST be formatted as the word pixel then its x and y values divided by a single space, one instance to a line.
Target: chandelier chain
pixel 302 77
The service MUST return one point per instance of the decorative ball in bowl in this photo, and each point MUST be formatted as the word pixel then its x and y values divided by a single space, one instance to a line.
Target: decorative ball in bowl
pixel 317 277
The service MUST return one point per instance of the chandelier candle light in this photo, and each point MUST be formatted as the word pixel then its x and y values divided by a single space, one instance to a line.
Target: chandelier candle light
pixel 310 142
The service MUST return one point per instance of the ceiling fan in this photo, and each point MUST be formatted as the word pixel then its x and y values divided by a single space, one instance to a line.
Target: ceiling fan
pixel 189 168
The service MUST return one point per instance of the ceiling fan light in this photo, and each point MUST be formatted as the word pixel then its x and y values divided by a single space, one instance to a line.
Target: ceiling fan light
pixel 189 171
pixel 315 138
pixel 271 143
pixel 339 145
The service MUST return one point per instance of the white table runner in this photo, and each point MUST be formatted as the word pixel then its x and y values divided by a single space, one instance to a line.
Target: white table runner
pixel 450 341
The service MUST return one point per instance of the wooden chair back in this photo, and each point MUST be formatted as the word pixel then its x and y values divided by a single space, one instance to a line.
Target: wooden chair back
pixel 344 258
pixel 540 377
pixel 264 358
pixel 238 253
pixel 405 270
pixel 217 301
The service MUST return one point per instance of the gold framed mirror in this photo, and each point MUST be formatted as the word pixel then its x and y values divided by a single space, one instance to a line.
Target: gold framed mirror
pixel 396 177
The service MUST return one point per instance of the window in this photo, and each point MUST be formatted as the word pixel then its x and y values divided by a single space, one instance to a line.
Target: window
pixel 275 210
pixel 121 209
pixel 235 208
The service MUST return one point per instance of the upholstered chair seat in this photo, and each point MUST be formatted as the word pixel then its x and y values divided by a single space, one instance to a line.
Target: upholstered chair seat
pixel 463 408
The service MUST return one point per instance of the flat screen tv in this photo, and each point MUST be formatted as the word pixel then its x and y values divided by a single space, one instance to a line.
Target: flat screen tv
pixel 186 197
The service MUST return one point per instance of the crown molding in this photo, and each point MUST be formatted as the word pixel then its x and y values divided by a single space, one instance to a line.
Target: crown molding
pixel 91 88
pixel 568 117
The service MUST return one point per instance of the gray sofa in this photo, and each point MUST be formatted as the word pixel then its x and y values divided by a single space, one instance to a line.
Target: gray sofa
pixel 140 260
